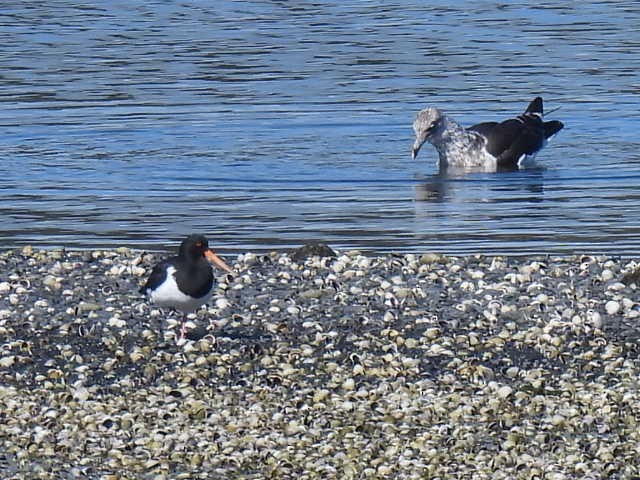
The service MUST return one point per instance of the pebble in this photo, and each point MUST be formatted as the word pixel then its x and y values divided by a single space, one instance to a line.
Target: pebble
pixel 504 392
pixel 88 307
pixel 312 293
pixel 594 318
pixel 7 361
pixel 607 275
pixel 612 307
pixel 430 258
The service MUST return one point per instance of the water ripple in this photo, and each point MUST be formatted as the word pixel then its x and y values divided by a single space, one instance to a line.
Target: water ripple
pixel 265 124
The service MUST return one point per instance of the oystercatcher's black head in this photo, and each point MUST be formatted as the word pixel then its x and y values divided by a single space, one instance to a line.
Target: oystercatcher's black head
pixel 196 246
pixel 193 247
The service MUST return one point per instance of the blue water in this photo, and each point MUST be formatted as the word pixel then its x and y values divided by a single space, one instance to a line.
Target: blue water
pixel 268 123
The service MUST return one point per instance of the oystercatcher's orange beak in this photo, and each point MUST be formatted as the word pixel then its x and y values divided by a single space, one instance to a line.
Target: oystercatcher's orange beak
pixel 216 260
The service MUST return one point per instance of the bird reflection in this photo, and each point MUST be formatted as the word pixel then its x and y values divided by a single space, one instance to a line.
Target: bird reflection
pixel 454 185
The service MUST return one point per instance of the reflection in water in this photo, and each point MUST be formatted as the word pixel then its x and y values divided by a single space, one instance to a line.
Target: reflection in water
pixel 433 188
pixel 504 186
pixel 527 185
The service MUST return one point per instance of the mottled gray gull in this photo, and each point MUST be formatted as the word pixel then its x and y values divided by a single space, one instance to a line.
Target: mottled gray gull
pixel 489 146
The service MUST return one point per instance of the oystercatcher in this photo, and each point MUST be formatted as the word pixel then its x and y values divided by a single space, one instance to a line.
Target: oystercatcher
pixel 489 146
pixel 184 282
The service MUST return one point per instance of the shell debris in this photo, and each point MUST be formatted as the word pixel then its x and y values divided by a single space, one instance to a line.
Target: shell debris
pixel 342 366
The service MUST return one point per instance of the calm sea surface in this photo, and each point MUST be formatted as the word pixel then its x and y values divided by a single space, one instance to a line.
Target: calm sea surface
pixel 268 123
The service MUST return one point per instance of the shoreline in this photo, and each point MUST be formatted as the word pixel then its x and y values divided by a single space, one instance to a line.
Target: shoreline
pixel 170 249
pixel 356 366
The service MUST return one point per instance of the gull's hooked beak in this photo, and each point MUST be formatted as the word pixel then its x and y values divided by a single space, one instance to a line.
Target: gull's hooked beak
pixel 415 150
pixel 216 260
pixel 417 145
pixel 422 137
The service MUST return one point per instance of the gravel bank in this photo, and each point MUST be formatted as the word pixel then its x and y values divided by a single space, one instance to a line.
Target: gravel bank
pixel 415 366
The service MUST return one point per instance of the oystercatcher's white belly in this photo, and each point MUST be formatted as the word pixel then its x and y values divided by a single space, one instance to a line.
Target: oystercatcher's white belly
pixel 169 295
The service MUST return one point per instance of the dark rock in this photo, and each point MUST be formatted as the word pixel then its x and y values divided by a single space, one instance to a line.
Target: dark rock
pixel 632 277
pixel 197 333
pixel 312 249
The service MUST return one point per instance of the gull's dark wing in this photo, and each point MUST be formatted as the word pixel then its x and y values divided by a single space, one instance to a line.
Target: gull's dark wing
pixel 508 141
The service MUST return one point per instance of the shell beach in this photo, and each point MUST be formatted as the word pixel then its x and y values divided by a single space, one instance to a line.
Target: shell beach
pixel 399 366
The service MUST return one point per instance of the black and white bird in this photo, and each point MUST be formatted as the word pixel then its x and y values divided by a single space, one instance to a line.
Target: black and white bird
pixel 488 146
pixel 185 282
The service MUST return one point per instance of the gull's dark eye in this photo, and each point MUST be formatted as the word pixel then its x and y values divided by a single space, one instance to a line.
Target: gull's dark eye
pixel 435 124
